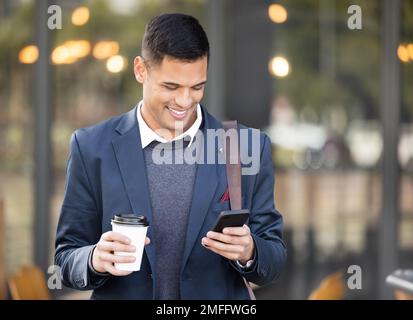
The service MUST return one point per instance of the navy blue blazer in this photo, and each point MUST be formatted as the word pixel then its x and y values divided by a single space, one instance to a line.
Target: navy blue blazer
pixel 106 175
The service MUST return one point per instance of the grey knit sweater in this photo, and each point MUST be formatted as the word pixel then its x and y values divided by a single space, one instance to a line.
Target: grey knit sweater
pixel 170 187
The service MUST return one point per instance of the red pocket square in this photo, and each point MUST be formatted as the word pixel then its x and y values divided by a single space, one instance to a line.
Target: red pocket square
pixel 225 196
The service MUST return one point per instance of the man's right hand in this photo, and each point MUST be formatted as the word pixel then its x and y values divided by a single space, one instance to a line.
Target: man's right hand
pixel 103 256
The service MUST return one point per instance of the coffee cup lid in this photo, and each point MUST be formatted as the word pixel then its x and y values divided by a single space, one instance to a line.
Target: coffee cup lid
pixel 132 219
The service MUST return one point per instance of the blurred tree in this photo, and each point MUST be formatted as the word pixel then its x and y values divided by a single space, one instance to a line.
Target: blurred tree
pixel 356 80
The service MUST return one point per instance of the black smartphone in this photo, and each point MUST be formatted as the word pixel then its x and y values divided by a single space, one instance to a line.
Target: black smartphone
pixel 231 218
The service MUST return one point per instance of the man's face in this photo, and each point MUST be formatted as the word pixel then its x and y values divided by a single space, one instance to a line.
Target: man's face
pixel 171 92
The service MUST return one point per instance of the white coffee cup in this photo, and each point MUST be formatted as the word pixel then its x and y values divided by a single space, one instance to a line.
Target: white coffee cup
pixel 134 227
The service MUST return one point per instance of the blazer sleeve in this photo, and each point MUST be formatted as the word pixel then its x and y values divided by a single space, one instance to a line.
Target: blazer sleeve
pixel 266 225
pixel 79 226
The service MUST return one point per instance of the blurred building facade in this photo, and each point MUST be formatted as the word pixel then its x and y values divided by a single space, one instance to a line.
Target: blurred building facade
pixel 334 100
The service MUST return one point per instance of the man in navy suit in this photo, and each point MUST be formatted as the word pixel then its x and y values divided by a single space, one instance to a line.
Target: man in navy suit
pixel 112 169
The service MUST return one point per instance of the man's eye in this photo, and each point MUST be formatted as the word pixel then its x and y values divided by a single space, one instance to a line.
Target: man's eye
pixel 170 88
pixel 198 88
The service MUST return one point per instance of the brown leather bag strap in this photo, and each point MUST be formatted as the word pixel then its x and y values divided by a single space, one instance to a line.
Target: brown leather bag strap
pixel 233 165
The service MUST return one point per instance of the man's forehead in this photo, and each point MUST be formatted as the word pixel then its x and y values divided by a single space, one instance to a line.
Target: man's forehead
pixel 178 71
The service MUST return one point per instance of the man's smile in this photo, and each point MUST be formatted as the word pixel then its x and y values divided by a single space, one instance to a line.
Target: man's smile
pixel 177 113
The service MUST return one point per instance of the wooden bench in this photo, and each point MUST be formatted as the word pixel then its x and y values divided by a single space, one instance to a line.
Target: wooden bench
pixel 29 283
pixel 332 287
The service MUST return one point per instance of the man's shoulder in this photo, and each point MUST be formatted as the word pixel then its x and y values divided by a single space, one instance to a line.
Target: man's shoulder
pixel 248 136
pixel 216 123
pixel 251 134
pixel 104 131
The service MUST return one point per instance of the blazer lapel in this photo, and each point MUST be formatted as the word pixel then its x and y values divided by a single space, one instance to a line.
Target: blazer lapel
pixel 129 154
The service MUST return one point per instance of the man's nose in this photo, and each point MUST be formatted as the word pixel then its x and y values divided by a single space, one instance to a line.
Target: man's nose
pixel 184 99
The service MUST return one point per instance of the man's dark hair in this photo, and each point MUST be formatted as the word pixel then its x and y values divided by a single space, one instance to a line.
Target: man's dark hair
pixel 179 36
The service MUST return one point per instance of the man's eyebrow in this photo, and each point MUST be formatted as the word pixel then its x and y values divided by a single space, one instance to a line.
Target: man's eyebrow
pixel 200 84
pixel 178 85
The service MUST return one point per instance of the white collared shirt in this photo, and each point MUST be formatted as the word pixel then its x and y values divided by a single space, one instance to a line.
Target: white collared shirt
pixel 148 135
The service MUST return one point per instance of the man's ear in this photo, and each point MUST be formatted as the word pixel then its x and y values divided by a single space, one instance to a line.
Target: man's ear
pixel 139 69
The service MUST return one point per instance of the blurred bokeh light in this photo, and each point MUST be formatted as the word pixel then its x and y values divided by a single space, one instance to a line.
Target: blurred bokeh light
pixel 29 54
pixel 80 16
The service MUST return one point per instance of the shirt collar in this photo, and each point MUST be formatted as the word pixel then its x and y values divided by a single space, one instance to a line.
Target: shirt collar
pixel 148 135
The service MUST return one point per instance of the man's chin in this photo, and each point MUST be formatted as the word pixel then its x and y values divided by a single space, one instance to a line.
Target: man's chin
pixel 174 124
pixel 178 127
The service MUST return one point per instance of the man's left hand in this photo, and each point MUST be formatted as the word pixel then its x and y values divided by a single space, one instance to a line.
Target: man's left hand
pixel 234 243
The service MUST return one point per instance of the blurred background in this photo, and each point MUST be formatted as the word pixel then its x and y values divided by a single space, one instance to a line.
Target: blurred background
pixel 334 100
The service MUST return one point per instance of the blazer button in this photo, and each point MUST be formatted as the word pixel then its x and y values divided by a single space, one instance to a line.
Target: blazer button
pixel 80 282
pixel 151 275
